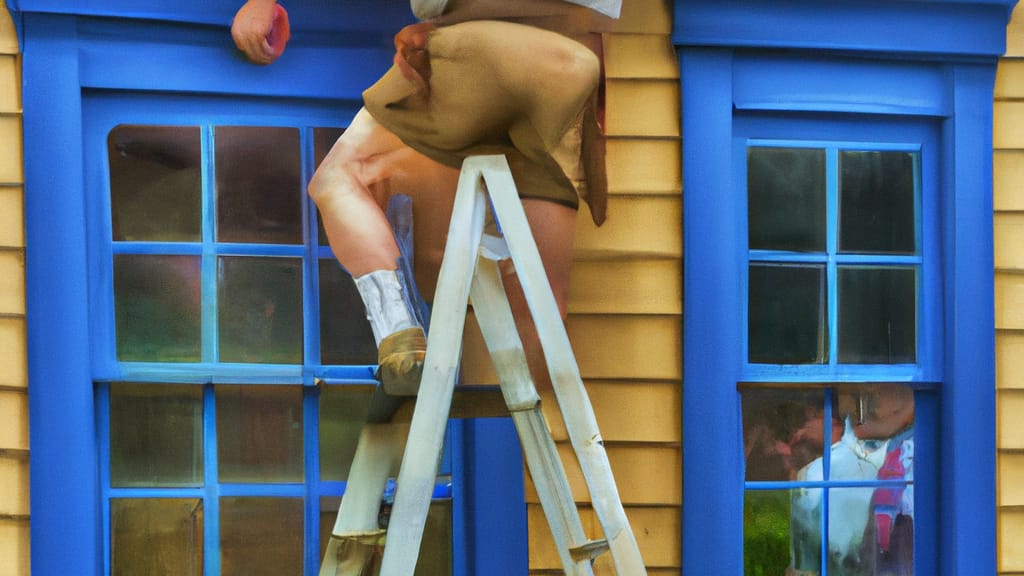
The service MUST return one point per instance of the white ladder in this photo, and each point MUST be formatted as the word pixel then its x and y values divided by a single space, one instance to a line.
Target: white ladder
pixel 470 271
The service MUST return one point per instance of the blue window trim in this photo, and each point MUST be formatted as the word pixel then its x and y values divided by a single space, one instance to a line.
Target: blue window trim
pixel 729 65
pixel 68 56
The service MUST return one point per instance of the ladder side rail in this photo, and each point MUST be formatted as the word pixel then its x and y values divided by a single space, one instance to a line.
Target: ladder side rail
pixel 433 404
pixel 497 325
pixel 565 376
pixel 356 532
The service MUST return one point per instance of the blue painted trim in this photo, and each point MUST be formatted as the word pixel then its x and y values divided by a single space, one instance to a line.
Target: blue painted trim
pixel 305 15
pixel 812 82
pixel 62 432
pixel 479 477
pixel 968 491
pixel 917 28
pixel 311 472
pixel 211 486
pixel 103 432
pixel 713 504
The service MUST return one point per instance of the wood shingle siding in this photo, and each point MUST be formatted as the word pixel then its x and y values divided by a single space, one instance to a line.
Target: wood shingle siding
pixel 14 444
pixel 1008 229
pixel 625 304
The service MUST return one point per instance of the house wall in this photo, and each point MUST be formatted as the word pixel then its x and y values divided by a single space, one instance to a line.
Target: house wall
pixel 14 513
pixel 1008 175
pixel 625 306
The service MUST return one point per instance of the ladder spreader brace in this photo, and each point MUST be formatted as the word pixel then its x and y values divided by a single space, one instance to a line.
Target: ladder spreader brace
pixel 469 271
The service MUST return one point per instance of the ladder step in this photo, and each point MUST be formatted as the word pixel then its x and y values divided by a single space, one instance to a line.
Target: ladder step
pixel 589 550
pixel 366 537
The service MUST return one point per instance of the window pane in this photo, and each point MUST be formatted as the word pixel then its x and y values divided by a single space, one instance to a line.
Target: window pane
pixel 859 528
pixel 876 202
pixel 260 309
pixel 782 432
pixel 323 140
pixel 877 315
pixel 157 308
pixel 786 199
pixel 787 315
pixel 435 557
pixel 156 435
pixel 261 536
pixel 870 527
pixel 155 183
pixel 156 537
pixel 345 336
pixel 259 434
pixel 259 185
pixel 770 543
pixel 343 410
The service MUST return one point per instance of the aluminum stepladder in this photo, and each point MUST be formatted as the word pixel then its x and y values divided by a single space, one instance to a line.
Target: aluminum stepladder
pixel 469 271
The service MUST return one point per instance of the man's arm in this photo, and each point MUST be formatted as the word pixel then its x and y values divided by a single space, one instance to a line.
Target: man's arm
pixel 260 29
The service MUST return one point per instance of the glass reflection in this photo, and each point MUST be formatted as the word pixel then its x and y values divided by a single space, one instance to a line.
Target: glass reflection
pixel 261 536
pixel 323 140
pixel 156 537
pixel 877 315
pixel 156 435
pixel 786 315
pixel 155 183
pixel 260 309
pixel 783 431
pixel 259 434
pixel 345 336
pixel 157 307
pixel 343 411
pixel 786 199
pixel 870 524
pixel 774 545
pixel 259 184
pixel 876 202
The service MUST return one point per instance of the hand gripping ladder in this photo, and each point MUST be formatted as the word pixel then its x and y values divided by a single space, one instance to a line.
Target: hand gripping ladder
pixel 470 271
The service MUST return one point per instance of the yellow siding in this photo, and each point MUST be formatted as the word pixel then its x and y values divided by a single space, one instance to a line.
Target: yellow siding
pixel 650 525
pixel 1011 545
pixel 14 483
pixel 625 303
pixel 1008 178
pixel 1008 200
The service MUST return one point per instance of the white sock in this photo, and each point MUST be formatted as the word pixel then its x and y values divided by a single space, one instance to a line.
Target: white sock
pixel 385 301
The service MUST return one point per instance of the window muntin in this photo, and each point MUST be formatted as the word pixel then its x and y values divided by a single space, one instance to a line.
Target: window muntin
pixel 223 320
pixel 850 212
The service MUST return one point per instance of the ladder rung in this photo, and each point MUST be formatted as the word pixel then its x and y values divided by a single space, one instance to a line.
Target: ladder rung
pixel 589 550
pixel 366 537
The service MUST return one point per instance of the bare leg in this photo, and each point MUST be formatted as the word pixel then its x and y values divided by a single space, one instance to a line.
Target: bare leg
pixel 553 227
pixel 368 164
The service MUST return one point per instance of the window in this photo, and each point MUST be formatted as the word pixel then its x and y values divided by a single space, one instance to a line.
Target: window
pixel 112 309
pixel 835 262
pixel 837 267
pixel 230 418
pixel 834 254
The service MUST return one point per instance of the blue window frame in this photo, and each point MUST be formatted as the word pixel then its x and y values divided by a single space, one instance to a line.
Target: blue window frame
pixel 85 76
pixel 831 74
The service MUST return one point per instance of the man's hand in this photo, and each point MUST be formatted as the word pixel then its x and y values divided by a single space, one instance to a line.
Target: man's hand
pixel 261 30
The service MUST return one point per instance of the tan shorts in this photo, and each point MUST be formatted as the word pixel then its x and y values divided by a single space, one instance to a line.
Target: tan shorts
pixel 486 96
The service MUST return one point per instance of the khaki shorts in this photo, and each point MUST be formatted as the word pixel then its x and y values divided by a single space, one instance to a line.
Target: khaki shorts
pixel 485 98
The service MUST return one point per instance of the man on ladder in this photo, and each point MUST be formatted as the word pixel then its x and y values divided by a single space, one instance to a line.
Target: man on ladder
pixel 519 78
